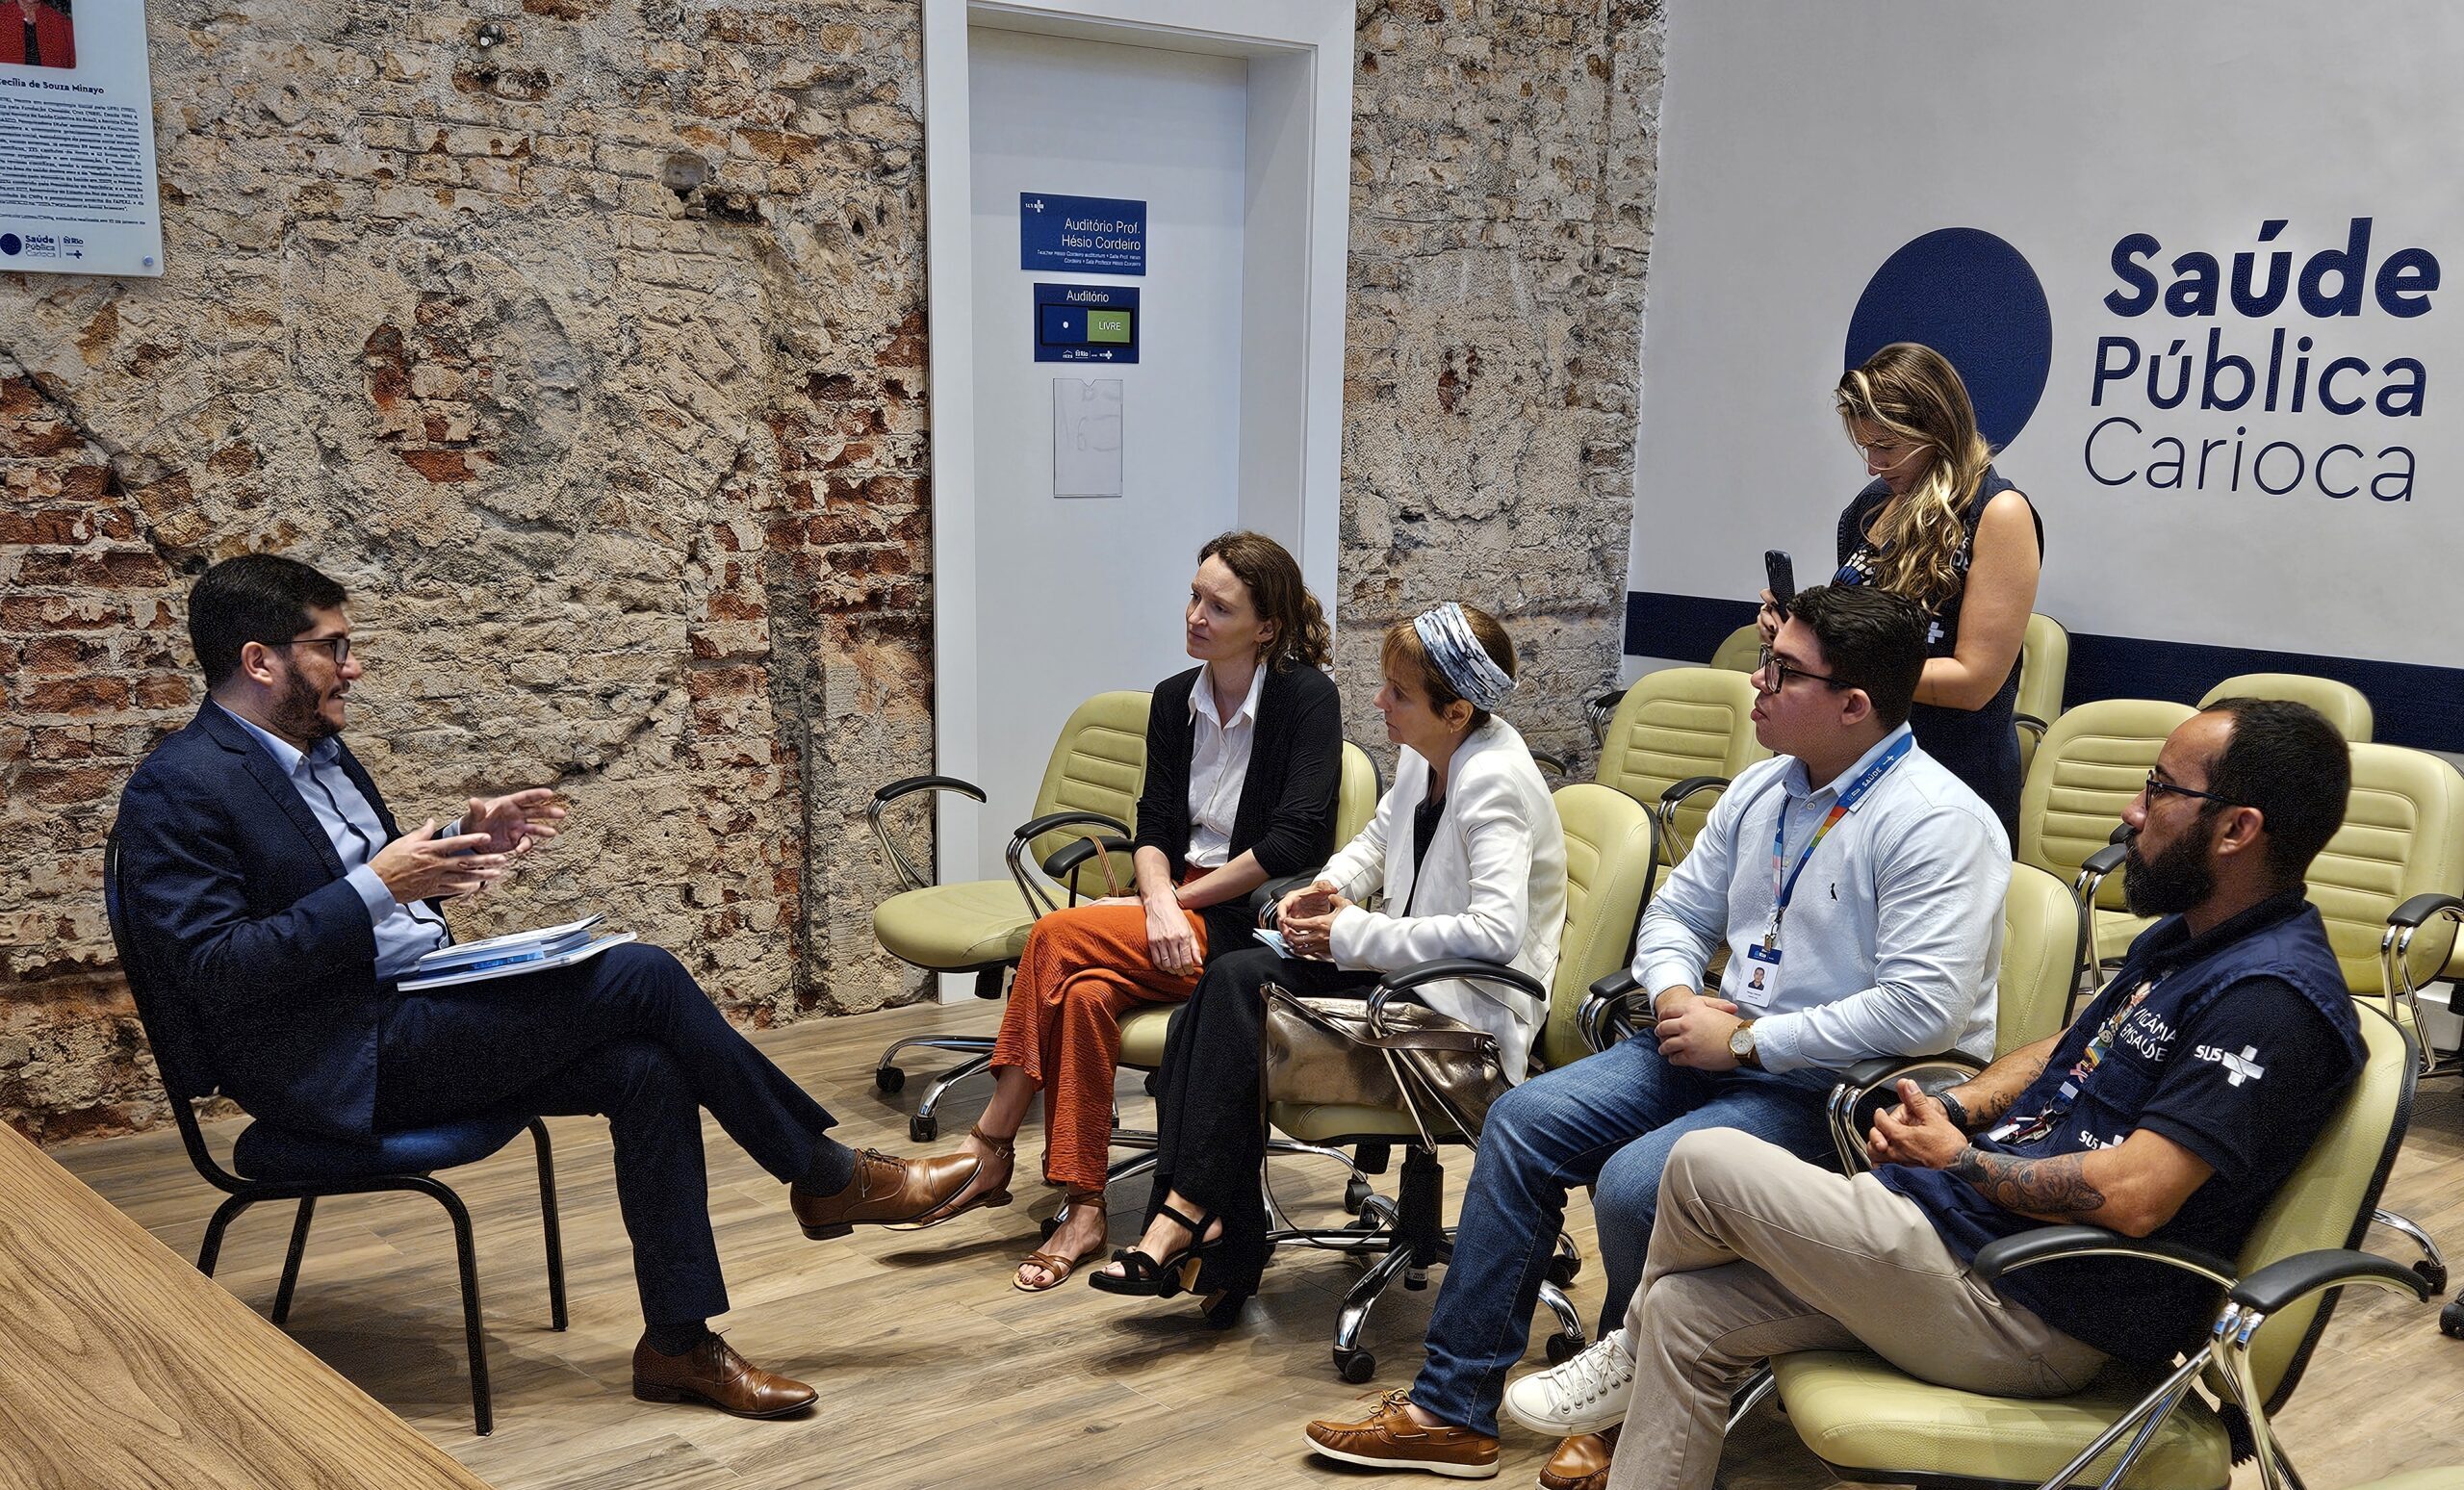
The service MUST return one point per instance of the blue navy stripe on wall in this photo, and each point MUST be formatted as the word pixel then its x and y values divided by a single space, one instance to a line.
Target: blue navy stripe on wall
pixel 2413 705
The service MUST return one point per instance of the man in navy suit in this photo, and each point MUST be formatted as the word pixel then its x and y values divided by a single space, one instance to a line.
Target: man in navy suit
pixel 276 904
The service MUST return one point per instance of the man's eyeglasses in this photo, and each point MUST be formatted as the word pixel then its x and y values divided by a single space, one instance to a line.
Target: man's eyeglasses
pixel 1770 664
pixel 340 644
pixel 2156 789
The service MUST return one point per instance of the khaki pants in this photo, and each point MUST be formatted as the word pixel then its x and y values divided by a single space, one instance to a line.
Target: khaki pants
pixel 1755 1253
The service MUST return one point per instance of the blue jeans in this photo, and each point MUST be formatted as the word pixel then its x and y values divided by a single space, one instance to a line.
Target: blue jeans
pixel 1606 1120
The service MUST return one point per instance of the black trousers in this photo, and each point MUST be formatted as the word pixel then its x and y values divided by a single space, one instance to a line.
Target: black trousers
pixel 1210 1109
pixel 629 1034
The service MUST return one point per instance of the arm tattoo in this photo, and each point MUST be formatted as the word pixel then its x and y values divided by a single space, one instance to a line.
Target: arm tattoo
pixel 2034 1187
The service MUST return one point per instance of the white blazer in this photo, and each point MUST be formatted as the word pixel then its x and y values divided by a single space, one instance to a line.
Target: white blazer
pixel 1493 885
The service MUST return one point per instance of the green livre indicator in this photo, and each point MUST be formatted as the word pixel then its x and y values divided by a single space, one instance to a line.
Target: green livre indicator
pixel 1108 326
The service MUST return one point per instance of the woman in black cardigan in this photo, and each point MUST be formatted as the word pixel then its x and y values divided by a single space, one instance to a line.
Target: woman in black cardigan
pixel 1243 754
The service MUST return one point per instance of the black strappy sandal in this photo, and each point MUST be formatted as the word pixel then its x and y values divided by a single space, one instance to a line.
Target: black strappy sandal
pixel 1143 1277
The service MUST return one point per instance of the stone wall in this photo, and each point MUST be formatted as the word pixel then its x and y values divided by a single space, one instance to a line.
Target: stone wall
pixel 1503 160
pixel 585 341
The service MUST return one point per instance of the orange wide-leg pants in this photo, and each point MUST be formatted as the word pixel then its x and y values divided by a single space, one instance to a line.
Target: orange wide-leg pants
pixel 1083 968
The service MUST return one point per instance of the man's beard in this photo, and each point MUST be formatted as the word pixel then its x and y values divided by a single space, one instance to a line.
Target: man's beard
pixel 2173 881
pixel 301 711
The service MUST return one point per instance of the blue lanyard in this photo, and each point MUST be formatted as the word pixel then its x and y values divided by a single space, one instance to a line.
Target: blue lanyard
pixel 1784 889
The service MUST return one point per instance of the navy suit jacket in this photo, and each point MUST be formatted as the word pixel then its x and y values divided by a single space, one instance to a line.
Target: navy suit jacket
pixel 260 956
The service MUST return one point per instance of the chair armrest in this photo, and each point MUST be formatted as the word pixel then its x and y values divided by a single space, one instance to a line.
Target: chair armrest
pixel 1037 902
pixel 2288 1279
pixel 1552 765
pixel 1883 1068
pixel 1445 969
pixel 1602 1020
pixel 2395 952
pixel 904 787
pixel 1050 822
pixel 1846 1108
pixel 1266 902
pixel 1066 858
pixel 1664 810
pixel 2421 908
pixel 2052 1244
pixel 907 785
pixel 2031 724
pixel 2092 871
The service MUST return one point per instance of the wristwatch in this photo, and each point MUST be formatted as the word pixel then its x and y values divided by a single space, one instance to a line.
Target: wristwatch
pixel 1741 1045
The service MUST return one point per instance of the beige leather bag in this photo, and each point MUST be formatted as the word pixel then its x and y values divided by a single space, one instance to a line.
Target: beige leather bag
pixel 1324 1051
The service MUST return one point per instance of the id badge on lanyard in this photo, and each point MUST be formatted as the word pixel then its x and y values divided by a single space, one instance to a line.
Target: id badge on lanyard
pixel 1766 953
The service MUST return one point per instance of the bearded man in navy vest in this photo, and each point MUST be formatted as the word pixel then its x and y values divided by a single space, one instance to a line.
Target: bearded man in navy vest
pixel 275 906
pixel 2173 1108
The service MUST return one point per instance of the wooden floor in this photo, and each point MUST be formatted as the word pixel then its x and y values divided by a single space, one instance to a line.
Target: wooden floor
pixel 933 1373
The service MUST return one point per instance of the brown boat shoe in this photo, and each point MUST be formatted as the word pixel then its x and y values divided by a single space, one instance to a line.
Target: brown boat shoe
pixel 885 1192
pixel 1580 1462
pixel 1390 1439
pixel 711 1371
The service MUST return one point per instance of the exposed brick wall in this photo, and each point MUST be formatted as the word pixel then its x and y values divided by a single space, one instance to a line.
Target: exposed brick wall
pixel 1503 159
pixel 590 360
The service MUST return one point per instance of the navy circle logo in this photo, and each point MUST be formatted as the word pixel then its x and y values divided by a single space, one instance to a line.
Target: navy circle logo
pixel 1974 298
pixel 10 243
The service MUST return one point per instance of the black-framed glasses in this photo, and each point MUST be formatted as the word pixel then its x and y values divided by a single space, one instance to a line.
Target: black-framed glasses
pixel 340 644
pixel 1779 669
pixel 2156 789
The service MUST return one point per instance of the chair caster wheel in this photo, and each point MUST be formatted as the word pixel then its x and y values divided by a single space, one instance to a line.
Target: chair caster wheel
pixel 888 1080
pixel 923 1129
pixel 1356 1366
pixel 2432 1273
pixel 1357 1194
pixel 1564 1268
pixel 2450 1320
pixel 1563 1348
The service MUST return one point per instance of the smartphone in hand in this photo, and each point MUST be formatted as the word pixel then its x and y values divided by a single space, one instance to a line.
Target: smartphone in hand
pixel 1779 573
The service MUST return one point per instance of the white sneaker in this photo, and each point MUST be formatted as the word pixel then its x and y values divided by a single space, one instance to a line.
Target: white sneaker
pixel 1586 1395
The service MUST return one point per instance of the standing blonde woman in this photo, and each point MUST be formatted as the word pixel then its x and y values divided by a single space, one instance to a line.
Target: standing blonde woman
pixel 1941 525
pixel 1244 756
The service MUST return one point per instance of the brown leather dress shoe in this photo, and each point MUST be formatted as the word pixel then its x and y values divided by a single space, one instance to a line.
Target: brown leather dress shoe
pixel 1580 1462
pixel 715 1373
pixel 1390 1439
pixel 885 1192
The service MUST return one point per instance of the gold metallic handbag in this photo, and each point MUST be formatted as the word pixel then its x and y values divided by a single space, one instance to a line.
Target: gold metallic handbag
pixel 1328 1051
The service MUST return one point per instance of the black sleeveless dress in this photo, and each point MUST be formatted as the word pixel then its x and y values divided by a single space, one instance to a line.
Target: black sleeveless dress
pixel 1980 746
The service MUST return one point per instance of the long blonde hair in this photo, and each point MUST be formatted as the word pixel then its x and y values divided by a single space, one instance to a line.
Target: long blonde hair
pixel 1915 392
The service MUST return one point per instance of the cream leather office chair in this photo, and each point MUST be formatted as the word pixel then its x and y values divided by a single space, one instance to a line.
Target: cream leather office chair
pixel 1870 1422
pixel 1609 866
pixel 1091 782
pixel 1740 650
pixel 2044 671
pixel 2092 762
pixel 1677 739
pixel 2340 702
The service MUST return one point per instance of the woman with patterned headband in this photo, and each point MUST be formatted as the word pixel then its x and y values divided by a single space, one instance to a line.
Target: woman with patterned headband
pixel 1467 853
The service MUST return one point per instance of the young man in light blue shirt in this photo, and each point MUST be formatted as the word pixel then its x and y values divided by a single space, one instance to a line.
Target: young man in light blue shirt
pixel 1858 887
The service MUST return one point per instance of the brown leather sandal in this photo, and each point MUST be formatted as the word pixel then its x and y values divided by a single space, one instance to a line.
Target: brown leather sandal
pixel 1059 1266
pixel 1005 1149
